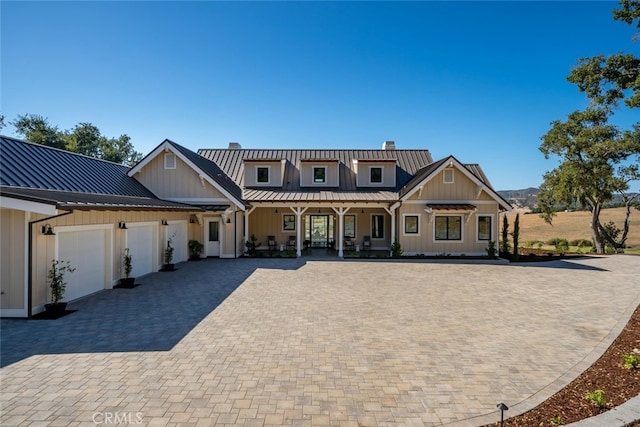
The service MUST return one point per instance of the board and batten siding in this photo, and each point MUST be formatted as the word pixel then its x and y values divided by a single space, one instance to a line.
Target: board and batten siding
pixel 363 174
pixel 13 237
pixel 182 182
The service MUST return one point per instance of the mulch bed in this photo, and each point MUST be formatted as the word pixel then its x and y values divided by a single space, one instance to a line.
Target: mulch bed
pixel 607 373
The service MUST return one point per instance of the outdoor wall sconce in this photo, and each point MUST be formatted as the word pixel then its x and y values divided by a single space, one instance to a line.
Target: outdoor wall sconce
pixel 362 211
pixel 164 222
pixel 276 210
pixel 228 220
pixel 122 225
pixel 47 230
pixel 502 408
pixel 192 220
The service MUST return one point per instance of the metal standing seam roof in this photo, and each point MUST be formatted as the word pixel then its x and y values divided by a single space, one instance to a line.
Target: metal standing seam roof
pixel 69 180
pixel 231 162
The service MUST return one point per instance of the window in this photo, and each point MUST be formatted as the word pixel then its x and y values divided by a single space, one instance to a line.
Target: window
pixel 288 222
pixel 169 161
pixel 484 228
pixel 350 226
pixel 262 174
pixel 214 231
pixel 319 175
pixel 411 224
pixel 448 176
pixel 377 226
pixel 448 228
pixel 375 175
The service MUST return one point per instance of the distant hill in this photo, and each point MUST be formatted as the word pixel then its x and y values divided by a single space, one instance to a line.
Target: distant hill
pixel 527 199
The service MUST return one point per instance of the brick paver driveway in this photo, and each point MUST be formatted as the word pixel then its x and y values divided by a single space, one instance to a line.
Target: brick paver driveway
pixel 333 342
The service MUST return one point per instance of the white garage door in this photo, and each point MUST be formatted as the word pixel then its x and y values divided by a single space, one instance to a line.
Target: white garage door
pixel 140 244
pixel 178 233
pixel 86 251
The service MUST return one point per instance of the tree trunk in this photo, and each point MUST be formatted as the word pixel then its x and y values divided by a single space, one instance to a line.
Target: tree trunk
pixel 595 231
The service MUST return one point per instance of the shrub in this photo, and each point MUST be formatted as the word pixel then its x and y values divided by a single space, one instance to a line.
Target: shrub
pixel 562 245
pixel 557 421
pixel 631 361
pixel 504 242
pixel 491 249
pixel 597 397
pixel 396 249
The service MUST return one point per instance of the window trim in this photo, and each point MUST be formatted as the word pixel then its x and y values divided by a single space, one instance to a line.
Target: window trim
pixel 371 168
pixel 355 226
pixel 313 175
pixel 491 221
pixel 460 240
pixel 268 168
pixel 284 222
pixel 404 224
pixel 383 231
pixel 167 164
pixel 444 176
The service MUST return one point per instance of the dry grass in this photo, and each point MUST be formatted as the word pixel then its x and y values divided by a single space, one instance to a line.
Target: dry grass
pixel 574 226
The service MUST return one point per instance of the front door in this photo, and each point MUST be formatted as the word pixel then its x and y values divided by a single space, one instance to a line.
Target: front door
pixel 213 238
pixel 319 230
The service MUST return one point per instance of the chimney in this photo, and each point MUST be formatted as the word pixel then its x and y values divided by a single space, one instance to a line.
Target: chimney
pixel 234 146
pixel 389 145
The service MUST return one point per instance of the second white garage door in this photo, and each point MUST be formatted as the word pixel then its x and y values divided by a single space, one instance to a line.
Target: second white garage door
pixel 140 242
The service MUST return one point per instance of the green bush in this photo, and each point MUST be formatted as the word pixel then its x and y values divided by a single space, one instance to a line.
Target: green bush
pixel 562 245
pixel 631 361
pixel 396 249
pixel 597 397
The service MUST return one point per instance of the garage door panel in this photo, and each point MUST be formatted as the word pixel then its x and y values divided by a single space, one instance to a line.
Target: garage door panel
pixel 178 234
pixel 140 244
pixel 86 251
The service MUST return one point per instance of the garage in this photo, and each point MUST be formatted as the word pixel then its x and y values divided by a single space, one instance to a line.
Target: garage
pixel 178 233
pixel 140 241
pixel 86 250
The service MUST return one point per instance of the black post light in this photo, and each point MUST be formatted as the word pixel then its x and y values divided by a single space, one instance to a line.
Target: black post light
pixel 502 408
pixel 47 230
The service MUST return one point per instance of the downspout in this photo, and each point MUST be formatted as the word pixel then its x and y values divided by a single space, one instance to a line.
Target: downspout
pixel 235 234
pixel 30 262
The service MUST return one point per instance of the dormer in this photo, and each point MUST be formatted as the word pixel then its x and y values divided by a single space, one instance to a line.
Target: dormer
pixel 263 172
pixel 375 172
pixel 319 173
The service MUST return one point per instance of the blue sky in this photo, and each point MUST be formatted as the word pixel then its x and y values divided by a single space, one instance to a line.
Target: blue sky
pixel 479 80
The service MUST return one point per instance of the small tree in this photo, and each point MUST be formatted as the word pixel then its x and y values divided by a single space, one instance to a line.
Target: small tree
pixel 56 279
pixel 126 262
pixel 504 242
pixel 168 252
pixel 396 249
pixel 516 235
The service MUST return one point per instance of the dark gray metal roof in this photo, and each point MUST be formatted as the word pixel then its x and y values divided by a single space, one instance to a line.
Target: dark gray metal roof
pixel 68 180
pixel 29 165
pixel 408 162
pixel 89 201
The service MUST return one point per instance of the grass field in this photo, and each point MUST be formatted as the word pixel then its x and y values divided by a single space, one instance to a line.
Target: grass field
pixel 574 226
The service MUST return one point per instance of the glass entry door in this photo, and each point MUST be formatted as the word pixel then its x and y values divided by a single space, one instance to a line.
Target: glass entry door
pixel 319 230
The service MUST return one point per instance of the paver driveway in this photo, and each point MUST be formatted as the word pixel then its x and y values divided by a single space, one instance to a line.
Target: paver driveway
pixel 333 342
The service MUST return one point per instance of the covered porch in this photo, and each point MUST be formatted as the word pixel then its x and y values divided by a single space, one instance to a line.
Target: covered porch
pixel 330 228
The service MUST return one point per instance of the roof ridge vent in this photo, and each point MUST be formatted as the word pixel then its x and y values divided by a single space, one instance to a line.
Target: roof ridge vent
pixel 389 145
pixel 234 146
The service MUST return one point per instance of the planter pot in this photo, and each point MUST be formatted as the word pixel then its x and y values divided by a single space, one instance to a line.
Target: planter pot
pixel 194 258
pixel 128 282
pixel 167 267
pixel 56 309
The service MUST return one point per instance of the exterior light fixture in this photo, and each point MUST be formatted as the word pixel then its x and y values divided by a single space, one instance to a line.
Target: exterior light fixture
pixel 362 211
pixel 276 210
pixel 122 225
pixel 228 220
pixel 47 230
pixel 164 222
pixel 502 408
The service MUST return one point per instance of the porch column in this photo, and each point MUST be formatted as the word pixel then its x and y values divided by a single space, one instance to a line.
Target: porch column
pixel 341 212
pixel 391 210
pixel 246 226
pixel 298 211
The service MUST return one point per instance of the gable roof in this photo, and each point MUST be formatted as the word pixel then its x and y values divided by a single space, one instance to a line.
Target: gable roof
pixel 36 172
pixel 204 167
pixel 231 162
pixel 472 171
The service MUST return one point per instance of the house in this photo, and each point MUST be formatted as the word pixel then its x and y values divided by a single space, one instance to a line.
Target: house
pixel 60 205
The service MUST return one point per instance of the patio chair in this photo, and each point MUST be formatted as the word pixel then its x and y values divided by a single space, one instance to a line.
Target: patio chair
pixel 366 243
pixel 291 243
pixel 349 244
pixel 271 243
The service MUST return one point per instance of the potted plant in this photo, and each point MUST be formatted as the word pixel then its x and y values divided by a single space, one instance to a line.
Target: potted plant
pixel 58 286
pixel 168 257
pixel 251 245
pixel 127 282
pixel 195 250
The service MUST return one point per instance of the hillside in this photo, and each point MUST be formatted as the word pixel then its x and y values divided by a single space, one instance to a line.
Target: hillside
pixel 573 225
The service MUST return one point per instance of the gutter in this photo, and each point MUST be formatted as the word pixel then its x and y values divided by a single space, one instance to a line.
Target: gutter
pixel 30 263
